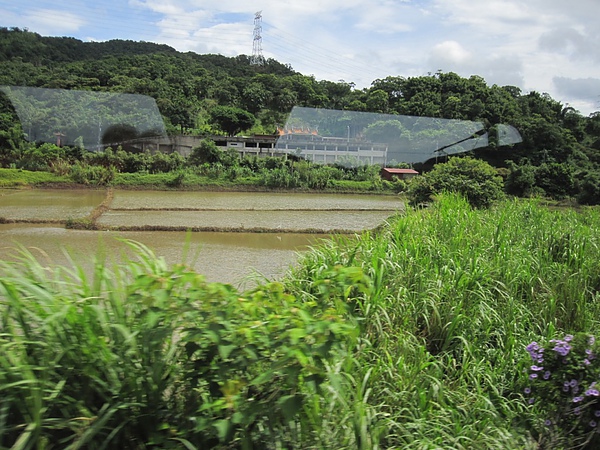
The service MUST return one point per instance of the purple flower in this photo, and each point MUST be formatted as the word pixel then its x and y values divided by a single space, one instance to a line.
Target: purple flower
pixel 527 390
pixel 573 383
pixel 597 413
pixel 577 399
pixel 533 376
pixel 568 338
pixel 590 354
pixel 536 368
pixel 577 411
pixel 586 362
pixel 547 422
pixel 546 374
pixel 592 393
pixel 530 401
pixel 533 347
pixel 536 352
pixel 593 423
pixel 566 388
pixel 591 341
pixel 562 348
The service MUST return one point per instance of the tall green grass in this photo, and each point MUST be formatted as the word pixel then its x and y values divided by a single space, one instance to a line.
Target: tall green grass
pixel 148 356
pixel 10 178
pixel 456 296
pixel 412 336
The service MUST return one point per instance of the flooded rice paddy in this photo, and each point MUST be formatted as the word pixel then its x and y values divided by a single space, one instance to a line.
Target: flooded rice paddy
pixel 238 235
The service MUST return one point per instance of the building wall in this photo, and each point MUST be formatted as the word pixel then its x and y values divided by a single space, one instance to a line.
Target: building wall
pixel 325 150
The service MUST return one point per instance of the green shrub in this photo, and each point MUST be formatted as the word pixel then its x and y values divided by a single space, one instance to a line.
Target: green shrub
pixel 41 158
pixel 94 175
pixel 589 189
pixel 521 180
pixel 474 179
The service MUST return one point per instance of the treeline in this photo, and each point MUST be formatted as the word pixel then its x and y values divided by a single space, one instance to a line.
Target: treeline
pixel 559 155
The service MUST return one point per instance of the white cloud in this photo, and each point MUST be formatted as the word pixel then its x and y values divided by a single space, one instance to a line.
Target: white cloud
pixel 578 88
pixel 450 53
pixel 46 21
pixel 389 18
pixel 578 45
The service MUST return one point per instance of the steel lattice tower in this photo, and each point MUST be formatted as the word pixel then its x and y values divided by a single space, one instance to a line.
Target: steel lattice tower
pixel 257 56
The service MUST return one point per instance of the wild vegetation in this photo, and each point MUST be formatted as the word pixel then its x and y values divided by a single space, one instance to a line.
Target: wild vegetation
pixel 207 166
pixel 411 337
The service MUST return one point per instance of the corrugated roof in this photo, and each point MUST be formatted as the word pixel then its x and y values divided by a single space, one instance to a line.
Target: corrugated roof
pixel 389 170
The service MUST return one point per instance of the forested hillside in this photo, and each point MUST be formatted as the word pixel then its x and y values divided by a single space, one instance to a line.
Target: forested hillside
pixel 559 155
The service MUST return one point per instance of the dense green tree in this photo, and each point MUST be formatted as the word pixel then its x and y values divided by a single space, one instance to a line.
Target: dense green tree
pixel 208 153
pixel 385 131
pixel 377 101
pixel 232 120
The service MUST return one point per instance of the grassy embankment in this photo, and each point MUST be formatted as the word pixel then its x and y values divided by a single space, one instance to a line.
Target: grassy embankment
pixel 444 301
pixel 17 178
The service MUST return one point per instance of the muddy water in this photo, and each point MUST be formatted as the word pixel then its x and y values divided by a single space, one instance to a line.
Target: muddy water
pixel 220 256
pixel 225 257
pixel 250 201
pixel 49 204
pixel 324 221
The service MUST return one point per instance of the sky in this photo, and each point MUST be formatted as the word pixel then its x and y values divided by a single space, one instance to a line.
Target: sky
pixel 547 46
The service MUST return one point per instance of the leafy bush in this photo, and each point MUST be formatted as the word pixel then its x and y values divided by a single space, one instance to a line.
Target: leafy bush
pixel 280 178
pixel 589 189
pixel 96 175
pixel 474 179
pixel 41 158
pixel 556 179
pixel 521 180
pixel 165 162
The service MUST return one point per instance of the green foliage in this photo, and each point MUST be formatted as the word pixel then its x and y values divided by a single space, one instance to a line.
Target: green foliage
pixel 520 180
pixel 456 295
pixel 232 120
pixel 155 357
pixel 92 175
pixel 556 179
pixel 41 158
pixel 280 178
pixel 206 153
pixel 474 179
pixel 213 93
pixel 19 177
pixel 552 180
pixel 588 189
